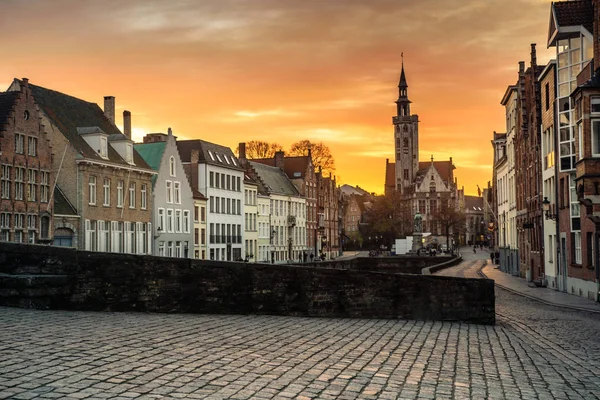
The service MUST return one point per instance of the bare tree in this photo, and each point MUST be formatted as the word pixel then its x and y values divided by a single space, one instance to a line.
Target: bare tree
pixel 260 149
pixel 450 218
pixel 321 154
pixel 390 217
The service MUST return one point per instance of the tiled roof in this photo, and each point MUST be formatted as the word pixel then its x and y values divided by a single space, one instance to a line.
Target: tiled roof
pixel 473 203
pixel 209 153
pixel 352 190
pixel 152 153
pixel 444 168
pixel 61 204
pixel 69 113
pixel 197 195
pixel 273 180
pixel 574 13
pixel 294 167
pixel 7 101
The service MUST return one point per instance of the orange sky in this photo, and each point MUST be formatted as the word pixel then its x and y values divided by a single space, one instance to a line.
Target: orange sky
pixel 285 70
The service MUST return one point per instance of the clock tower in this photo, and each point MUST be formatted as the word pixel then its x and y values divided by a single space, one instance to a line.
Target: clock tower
pixel 406 135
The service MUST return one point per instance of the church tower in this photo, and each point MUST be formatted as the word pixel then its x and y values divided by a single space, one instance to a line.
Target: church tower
pixel 406 135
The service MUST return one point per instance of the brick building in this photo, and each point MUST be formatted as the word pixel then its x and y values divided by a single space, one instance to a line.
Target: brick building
pixel 98 172
pixel 26 204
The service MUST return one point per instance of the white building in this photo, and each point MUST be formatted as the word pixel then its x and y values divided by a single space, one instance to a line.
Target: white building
pixel 251 219
pixel 216 172
pixel 287 218
pixel 264 228
pixel 507 212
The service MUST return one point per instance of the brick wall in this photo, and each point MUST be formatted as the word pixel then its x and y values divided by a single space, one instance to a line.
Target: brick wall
pixel 117 282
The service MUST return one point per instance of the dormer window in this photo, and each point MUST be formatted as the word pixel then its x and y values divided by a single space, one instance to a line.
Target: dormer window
pixel 219 157
pixel 211 155
pixel 172 166
pixel 129 154
pixel 103 147
pixel 226 158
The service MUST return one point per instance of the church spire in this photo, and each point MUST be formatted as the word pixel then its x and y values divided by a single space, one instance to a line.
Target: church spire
pixel 403 103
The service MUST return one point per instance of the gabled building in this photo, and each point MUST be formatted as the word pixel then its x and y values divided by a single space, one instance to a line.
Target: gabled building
pixel 216 172
pixel 300 171
pixel 200 228
pixel 26 179
pixel 98 171
pixel 250 218
pixel 287 218
pixel 424 184
pixel 172 197
pixel 328 224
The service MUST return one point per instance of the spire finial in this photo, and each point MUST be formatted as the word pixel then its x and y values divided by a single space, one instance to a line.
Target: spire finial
pixel 432 158
pixel 402 56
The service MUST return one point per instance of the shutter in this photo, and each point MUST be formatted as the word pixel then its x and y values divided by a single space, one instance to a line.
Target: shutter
pixel 149 238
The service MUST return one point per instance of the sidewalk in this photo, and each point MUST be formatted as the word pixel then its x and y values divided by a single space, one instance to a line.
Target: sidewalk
pixel 544 295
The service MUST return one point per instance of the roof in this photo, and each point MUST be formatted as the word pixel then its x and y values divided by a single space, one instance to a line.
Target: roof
pixel 569 14
pixel 7 102
pixel 208 153
pixel 294 167
pixel 273 180
pixel 473 203
pixel 197 195
pixel 61 204
pixel 152 153
pixel 444 168
pixel 509 90
pixel 69 113
pixel 352 190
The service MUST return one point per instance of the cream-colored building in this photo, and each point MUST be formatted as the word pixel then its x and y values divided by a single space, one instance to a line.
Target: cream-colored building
pixel 264 228
pixel 250 219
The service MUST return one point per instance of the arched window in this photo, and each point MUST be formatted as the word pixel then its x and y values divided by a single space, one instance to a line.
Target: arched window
pixel 172 166
pixel 405 145
pixel 432 187
pixel 44 227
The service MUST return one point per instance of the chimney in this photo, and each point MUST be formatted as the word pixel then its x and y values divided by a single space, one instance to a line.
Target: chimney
pixel 109 108
pixel 25 82
pixel 126 122
pixel 533 57
pixel 242 151
pixel 195 156
pixel 279 159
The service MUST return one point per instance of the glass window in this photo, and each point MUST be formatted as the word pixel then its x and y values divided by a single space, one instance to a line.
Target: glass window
pixel 172 166
pixel 132 195
pixel 92 190
pixel 120 193
pixel 106 191
pixel 169 191
pixel 144 196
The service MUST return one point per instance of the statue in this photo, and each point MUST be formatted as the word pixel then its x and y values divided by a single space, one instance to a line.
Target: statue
pixel 418 223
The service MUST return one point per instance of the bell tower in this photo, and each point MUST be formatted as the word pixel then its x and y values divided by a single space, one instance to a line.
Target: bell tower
pixel 406 135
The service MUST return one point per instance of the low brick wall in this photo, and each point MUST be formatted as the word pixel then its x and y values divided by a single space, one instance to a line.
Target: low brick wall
pixel 118 282
pixel 391 265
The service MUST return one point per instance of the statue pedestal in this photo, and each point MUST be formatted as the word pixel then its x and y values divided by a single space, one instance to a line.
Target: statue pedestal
pixel 417 242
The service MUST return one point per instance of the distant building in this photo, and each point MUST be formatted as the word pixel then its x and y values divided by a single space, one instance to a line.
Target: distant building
pixel 424 184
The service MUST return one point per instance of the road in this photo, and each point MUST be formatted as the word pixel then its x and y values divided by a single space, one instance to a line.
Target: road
pixel 534 352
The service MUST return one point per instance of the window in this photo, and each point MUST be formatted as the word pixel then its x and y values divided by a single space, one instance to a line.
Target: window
pixel 203 214
pixel 19 182
pixel 144 196
pixel 103 147
pixel 196 236
pixel 106 190
pixel 547 95
pixel 203 236
pixel 129 150
pixel 169 190
pixel 576 236
pixel 222 181
pixel 595 137
pixel 132 195
pixel 432 187
pixel 405 174
pixel 238 184
pixel 178 221
pixel 5 186
pixel 19 143
pixel 211 179
pixel 170 220
pixel 120 187
pixel 161 249
pixel 217 179
pixel 31 146
pixel 595 105
pixel 161 219
pixel 196 213
pixel 211 200
pixel 172 166
pixel 186 221
pixel 177 187
pixel 92 190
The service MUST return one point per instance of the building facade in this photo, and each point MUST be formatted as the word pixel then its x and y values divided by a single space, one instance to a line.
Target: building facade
pixel 26 197
pixel 172 198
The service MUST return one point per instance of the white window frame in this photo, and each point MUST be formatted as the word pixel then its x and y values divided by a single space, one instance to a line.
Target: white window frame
pixel 132 195
pixel 144 196
pixel 106 190
pixel 6 179
pixel 186 221
pixel 170 224
pixel 161 219
pixel 31 146
pixel 92 190
pixel 178 221
pixel 595 136
pixel 172 170
pixel 120 189
pixel 169 191
pixel 177 192
pixel 31 184
pixel 577 244
pixel 19 143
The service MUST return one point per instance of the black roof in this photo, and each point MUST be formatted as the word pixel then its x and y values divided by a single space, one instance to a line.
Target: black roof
pixel 69 113
pixel 209 153
pixel 62 206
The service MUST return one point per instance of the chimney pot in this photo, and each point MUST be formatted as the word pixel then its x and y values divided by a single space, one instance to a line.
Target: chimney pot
pixel 127 123
pixel 242 150
pixel 279 160
pixel 109 108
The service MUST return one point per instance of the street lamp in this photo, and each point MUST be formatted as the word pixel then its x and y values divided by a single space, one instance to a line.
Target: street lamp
pixel 546 207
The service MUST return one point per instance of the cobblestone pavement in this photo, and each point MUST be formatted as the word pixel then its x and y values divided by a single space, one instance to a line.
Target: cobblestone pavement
pixel 534 352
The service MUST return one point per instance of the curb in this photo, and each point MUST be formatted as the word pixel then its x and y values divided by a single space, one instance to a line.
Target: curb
pixel 538 299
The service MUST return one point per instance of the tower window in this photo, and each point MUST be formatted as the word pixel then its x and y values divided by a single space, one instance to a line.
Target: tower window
pixel 406 174
pixel 405 146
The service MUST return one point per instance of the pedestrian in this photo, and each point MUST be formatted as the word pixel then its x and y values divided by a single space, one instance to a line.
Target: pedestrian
pixel 474 249
pixel 492 255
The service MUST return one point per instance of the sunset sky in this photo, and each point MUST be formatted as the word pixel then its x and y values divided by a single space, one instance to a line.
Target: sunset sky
pixel 228 71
